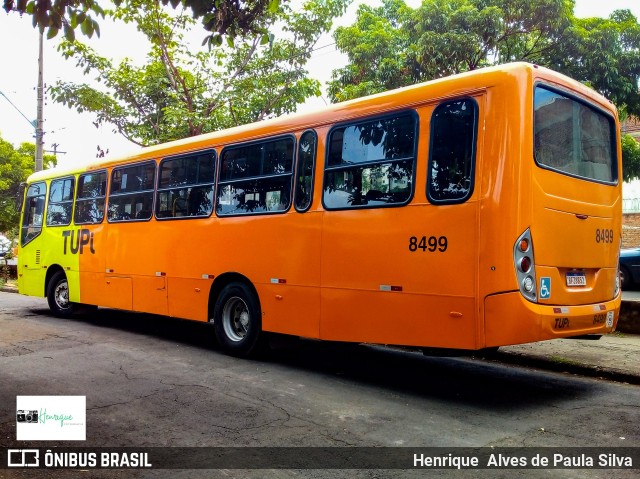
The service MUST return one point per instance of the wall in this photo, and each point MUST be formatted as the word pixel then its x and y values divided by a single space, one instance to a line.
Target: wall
pixel 631 230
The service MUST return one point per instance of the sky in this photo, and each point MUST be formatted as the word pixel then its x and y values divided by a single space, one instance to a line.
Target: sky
pixel 72 134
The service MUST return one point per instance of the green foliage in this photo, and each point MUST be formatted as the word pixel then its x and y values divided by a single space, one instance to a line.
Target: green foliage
pixel 181 92
pixel 630 158
pixel 221 17
pixel 605 54
pixel 15 166
pixel 394 45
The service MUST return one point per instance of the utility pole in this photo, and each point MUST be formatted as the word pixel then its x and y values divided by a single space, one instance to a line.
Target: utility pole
pixel 40 118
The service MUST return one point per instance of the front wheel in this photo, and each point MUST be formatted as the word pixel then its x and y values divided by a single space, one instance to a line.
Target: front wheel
pixel 237 320
pixel 58 296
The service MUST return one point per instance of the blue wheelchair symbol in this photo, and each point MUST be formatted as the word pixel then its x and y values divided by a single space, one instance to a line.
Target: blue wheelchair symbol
pixel 545 288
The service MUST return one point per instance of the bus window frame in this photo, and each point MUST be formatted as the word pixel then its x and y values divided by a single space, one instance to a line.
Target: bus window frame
pixel 233 146
pixel 213 184
pixel 314 164
pixel 588 104
pixel 153 191
pixel 72 200
pixel 474 152
pixel 410 112
pixel 89 198
pixel 20 196
pixel 44 211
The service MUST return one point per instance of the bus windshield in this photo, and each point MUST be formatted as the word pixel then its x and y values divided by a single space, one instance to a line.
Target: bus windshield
pixel 573 138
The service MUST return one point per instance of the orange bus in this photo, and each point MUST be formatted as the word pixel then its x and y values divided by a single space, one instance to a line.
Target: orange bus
pixel 469 212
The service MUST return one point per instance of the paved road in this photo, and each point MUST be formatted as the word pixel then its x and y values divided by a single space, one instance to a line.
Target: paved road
pixel 151 381
pixel 631 295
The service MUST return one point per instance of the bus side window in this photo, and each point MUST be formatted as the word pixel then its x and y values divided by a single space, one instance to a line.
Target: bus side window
pixel 305 170
pixel 185 186
pixel 60 202
pixel 256 178
pixel 33 212
pixel 452 151
pixel 371 163
pixel 90 199
pixel 131 193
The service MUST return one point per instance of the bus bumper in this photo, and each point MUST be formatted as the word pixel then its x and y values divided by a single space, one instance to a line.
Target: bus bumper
pixel 510 319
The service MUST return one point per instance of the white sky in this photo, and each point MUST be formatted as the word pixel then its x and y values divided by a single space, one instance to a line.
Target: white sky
pixel 73 132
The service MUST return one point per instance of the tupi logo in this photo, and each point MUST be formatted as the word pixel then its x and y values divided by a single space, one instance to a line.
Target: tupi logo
pixel 77 242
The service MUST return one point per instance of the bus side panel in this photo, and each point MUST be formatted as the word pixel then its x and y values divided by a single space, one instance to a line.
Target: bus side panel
pixel 376 285
pixel 91 265
pixel 283 267
pixel 288 309
pixel 150 294
pixel 397 318
pixel 189 298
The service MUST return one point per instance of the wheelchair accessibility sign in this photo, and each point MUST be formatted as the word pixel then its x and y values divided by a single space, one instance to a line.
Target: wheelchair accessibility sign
pixel 545 288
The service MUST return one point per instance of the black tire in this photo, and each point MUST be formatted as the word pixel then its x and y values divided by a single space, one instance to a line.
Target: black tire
pixel 626 281
pixel 58 296
pixel 237 320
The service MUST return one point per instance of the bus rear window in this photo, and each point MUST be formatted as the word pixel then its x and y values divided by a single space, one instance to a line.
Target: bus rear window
pixel 573 138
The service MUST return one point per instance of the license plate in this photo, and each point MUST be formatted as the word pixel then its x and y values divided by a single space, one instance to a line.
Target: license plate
pixel 576 279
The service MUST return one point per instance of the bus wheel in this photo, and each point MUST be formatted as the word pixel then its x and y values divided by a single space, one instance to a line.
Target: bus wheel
pixel 237 321
pixel 58 296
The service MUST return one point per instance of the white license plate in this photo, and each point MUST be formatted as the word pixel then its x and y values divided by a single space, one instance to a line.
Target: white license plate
pixel 576 279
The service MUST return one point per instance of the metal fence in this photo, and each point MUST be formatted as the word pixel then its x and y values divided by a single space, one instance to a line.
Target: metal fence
pixel 631 205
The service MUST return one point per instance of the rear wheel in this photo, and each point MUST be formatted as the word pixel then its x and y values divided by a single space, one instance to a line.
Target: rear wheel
pixel 237 320
pixel 58 296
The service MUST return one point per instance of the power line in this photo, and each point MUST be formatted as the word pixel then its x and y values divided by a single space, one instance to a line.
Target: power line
pixel 31 122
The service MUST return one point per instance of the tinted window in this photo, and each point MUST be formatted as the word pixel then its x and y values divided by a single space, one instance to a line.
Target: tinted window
pixel 573 138
pixel 131 192
pixel 255 178
pixel 185 186
pixel 33 212
pixel 452 151
pixel 305 170
pixel 371 163
pixel 60 203
pixel 92 189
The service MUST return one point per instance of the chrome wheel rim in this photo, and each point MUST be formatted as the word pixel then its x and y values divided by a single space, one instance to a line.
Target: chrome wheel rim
pixel 61 295
pixel 235 319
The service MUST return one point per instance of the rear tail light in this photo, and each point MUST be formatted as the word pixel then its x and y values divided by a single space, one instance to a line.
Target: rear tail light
pixel 524 263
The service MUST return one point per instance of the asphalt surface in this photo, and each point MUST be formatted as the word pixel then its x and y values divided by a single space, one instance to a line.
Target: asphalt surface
pixel 154 381
pixel 614 356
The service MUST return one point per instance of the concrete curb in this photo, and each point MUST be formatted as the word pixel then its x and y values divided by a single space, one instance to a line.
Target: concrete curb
pixel 9 289
pixel 569 367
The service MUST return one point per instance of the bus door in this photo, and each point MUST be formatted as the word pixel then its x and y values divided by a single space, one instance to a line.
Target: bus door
pixel 30 254
pixel 399 268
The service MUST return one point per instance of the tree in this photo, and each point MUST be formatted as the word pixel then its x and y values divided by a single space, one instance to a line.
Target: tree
pixel 394 45
pixel 182 92
pixel 630 158
pixel 220 17
pixel 15 166
pixel 605 54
